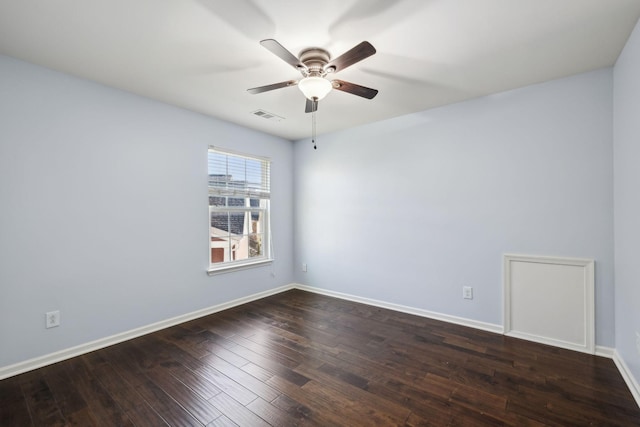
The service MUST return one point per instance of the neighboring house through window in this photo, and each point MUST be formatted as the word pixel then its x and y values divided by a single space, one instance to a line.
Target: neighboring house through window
pixel 239 193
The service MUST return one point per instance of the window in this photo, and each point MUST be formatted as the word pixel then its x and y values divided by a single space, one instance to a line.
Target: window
pixel 238 210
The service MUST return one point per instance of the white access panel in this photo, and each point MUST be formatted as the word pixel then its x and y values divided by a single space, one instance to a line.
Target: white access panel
pixel 550 300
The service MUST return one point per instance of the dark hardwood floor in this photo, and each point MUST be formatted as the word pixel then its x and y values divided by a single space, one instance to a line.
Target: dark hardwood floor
pixel 299 358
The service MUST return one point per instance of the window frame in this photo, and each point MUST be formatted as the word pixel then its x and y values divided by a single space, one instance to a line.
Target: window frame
pixel 263 194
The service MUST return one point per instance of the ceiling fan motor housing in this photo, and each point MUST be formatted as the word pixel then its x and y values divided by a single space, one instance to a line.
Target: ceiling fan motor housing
pixel 315 59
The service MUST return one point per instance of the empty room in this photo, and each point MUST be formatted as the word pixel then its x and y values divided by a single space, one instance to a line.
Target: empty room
pixel 335 213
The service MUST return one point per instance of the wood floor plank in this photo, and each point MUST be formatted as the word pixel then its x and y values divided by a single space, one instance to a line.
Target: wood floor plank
pixel 166 406
pixel 187 340
pixel 419 402
pixel 319 409
pixel 274 415
pixel 130 364
pixel 249 349
pixel 303 359
pixel 172 377
pixel 125 390
pixel 354 408
pixel 237 412
pixel 252 383
pixel 296 410
pixel 223 352
pixel 69 399
pixel 222 421
pixel 236 390
pixel 211 378
pixel 14 410
pixel 258 372
pixel 103 408
pixel 194 404
pixel 41 403
pixel 171 361
pixel 332 378
pixel 144 416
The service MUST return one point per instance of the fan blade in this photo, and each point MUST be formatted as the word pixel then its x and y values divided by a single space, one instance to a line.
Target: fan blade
pixel 356 54
pixel 282 53
pixel 352 88
pixel 255 90
pixel 311 106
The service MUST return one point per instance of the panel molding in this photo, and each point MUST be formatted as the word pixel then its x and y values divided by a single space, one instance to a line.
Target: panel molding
pixel 588 301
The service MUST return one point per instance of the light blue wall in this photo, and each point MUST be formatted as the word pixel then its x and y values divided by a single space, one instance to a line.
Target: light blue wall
pixel 627 201
pixel 103 215
pixel 104 211
pixel 410 209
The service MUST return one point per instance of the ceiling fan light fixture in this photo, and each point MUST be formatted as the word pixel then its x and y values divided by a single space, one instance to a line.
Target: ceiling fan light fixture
pixel 315 88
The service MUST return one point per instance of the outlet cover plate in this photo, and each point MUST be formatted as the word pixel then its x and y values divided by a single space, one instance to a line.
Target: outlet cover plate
pixel 52 319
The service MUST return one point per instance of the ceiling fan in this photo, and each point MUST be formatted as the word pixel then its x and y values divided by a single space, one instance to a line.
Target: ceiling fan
pixel 315 64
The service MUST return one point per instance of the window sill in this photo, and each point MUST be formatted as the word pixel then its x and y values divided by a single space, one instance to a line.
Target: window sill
pixel 237 267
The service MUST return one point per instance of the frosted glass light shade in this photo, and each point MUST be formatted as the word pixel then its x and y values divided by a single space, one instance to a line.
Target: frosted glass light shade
pixel 315 87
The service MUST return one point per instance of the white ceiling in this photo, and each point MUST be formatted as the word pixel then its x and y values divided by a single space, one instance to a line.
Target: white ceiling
pixel 203 54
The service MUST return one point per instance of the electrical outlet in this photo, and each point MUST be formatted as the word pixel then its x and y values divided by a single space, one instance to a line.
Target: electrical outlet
pixel 52 319
pixel 304 267
pixel 467 292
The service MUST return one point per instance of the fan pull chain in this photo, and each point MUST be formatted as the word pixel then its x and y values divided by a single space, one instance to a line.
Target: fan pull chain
pixel 313 124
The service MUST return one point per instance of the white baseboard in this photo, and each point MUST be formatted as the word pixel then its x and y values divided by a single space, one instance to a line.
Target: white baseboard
pixel 602 351
pixel 628 377
pixel 550 341
pixel 48 359
pixel 490 327
pixel 605 351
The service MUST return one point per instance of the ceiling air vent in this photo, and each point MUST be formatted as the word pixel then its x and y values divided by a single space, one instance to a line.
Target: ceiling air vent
pixel 267 115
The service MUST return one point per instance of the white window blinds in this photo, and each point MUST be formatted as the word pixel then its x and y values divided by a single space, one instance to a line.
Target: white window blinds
pixel 236 175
